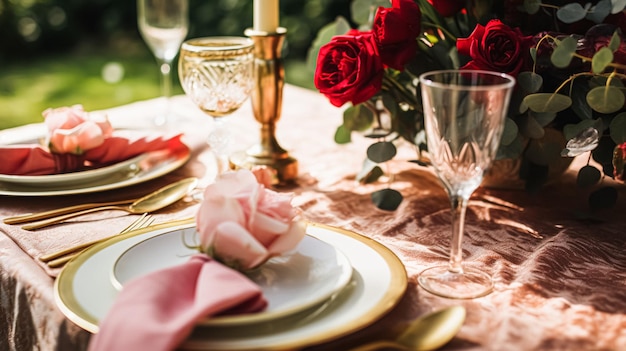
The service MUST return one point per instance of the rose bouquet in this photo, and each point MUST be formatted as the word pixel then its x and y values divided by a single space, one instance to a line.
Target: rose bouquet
pixel 569 60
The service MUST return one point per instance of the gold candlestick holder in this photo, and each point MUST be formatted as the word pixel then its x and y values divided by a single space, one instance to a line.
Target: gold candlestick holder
pixel 267 98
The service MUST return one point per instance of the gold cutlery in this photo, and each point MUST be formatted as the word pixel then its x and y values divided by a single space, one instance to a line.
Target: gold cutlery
pixel 428 332
pixel 61 211
pixel 59 258
pixel 152 202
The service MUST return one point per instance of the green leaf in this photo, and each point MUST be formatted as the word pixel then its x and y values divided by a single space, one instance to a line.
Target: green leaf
pixel 564 51
pixel 342 135
pixel 533 53
pixel 605 197
pixel 570 13
pixel 363 11
pixel 601 60
pixel 615 40
pixel 529 81
pixel 546 102
pixel 324 35
pixel 544 118
pixel 606 99
pixel 572 130
pixel 358 118
pixel 381 151
pixel 598 13
pixel 542 152
pixel 618 128
pixel 588 176
pixel 387 199
pixel 532 6
pixel 370 172
pixel 509 133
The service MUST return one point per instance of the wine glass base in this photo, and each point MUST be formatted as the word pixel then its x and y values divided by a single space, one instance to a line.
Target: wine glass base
pixel 469 284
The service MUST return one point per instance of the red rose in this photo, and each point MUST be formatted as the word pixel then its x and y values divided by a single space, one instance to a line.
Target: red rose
pixel 396 29
pixel 447 8
pixel 496 47
pixel 349 68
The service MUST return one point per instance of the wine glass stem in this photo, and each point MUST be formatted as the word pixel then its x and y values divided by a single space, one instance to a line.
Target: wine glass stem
pixel 165 67
pixel 459 205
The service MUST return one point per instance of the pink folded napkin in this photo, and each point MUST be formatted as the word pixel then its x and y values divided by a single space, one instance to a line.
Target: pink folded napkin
pixel 34 159
pixel 158 311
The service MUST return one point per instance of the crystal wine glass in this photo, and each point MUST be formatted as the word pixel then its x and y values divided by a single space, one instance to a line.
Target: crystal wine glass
pixel 163 25
pixel 217 75
pixel 464 112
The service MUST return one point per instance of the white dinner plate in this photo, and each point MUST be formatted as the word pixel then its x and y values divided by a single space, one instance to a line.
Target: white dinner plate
pixel 140 169
pixel 84 293
pixel 64 180
pixel 309 275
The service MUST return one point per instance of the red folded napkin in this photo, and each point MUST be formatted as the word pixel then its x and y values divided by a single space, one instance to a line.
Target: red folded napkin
pixel 34 159
pixel 159 310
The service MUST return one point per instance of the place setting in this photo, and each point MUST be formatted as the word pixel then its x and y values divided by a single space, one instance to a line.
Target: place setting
pixel 316 282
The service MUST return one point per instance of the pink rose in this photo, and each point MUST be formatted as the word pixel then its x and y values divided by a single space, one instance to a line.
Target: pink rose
pixel 243 224
pixel 73 130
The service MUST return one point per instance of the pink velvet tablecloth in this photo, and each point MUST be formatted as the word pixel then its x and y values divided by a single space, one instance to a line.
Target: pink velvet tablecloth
pixel 560 281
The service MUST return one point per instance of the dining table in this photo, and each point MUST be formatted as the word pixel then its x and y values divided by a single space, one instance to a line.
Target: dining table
pixel 559 276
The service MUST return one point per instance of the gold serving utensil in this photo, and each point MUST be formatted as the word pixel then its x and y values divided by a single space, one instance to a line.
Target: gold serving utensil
pixel 428 332
pixel 61 211
pixel 59 258
pixel 152 202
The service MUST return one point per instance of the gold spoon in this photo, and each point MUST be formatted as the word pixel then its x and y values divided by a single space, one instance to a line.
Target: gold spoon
pixel 30 217
pixel 152 202
pixel 429 332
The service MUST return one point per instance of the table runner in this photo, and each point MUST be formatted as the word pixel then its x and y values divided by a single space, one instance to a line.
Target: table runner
pixel 560 282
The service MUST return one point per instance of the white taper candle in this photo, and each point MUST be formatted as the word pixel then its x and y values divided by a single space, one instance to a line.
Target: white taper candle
pixel 265 15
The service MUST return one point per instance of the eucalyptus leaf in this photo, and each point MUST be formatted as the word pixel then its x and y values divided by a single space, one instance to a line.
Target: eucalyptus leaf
pixel 588 176
pixel 381 151
pixel 570 13
pixel 533 53
pixel 615 41
pixel 571 131
pixel 579 101
pixel 606 99
pixel 509 133
pixel 618 128
pixel 602 198
pixel 387 199
pixel 618 6
pixel 342 135
pixel 370 172
pixel 358 118
pixel 529 81
pixel 544 118
pixel 599 12
pixel 513 150
pixel 532 6
pixel 601 60
pixel 547 102
pixel 564 52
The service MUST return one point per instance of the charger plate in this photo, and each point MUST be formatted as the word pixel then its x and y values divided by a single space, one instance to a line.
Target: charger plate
pixel 310 274
pixel 84 293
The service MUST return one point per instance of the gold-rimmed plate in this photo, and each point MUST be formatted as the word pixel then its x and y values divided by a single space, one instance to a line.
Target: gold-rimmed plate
pixel 84 292
pixel 140 169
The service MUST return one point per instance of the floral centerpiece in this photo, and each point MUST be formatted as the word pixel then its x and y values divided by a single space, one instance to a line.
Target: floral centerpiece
pixel 569 60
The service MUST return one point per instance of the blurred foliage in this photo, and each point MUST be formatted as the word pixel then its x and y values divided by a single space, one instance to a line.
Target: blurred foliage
pixel 63 52
pixel 32 28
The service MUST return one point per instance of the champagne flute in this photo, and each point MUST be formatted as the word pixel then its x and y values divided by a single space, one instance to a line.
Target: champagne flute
pixel 217 75
pixel 163 25
pixel 464 112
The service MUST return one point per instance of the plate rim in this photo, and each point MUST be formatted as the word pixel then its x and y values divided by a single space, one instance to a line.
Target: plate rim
pixel 182 156
pixel 68 177
pixel 67 303
pixel 245 319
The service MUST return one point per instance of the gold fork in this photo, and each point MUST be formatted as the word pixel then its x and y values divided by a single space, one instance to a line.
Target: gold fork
pixel 59 258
